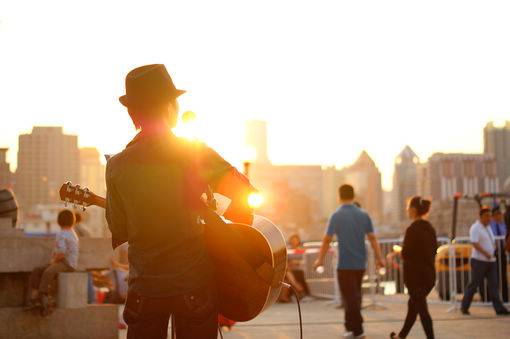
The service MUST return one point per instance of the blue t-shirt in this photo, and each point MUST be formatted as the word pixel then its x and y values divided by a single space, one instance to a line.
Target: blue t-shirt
pixel 498 229
pixel 350 224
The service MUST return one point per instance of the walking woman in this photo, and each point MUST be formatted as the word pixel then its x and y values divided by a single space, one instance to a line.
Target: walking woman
pixel 418 252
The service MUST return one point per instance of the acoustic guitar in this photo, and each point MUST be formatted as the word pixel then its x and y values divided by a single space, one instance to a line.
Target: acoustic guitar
pixel 249 261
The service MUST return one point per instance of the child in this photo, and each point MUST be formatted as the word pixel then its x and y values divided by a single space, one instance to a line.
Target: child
pixel 42 281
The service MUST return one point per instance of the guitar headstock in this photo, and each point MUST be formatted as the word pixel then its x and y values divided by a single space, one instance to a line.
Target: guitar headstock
pixel 78 196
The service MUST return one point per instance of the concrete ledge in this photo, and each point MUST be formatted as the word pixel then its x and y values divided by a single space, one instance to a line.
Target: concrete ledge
pixel 72 290
pixel 23 254
pixel 94 321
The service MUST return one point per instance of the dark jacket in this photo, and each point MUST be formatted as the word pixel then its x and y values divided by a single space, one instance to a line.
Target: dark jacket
pixel 419 252
pixel 152 186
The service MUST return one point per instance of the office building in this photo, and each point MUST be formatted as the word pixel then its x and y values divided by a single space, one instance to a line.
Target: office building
pixel 47 158
pixel 497 143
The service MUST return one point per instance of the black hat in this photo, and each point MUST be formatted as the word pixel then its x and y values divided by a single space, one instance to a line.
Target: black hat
pixel 149 85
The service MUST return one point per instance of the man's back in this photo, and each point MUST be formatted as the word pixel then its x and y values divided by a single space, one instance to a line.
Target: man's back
pixel 350 224
pixel 150 194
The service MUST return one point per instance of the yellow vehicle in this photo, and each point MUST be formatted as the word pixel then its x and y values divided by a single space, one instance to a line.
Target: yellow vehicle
pixel 461 257
pixel 462 251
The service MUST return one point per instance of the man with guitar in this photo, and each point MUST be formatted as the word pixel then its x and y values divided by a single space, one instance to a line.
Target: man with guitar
pixel 154 200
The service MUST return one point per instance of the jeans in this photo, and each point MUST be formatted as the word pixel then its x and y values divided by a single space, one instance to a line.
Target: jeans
pixel 350 288
pixel 195 315
pixel 479 271
pixel 417 304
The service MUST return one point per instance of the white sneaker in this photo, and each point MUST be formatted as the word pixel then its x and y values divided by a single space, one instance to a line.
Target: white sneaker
pixel 348 335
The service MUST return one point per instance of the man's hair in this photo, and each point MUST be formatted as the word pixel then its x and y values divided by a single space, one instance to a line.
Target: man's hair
pixel 496 210
pixel 484 209
pixel 346 192
pixel 140 115
pixel 66 218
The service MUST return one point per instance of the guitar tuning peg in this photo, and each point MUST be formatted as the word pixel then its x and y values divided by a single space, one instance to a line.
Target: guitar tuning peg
pixel 83 208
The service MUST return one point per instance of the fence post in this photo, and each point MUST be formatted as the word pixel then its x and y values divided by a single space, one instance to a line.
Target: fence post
pixel 452 276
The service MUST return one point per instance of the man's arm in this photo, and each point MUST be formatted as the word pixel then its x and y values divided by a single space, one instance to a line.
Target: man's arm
pixel 324 249
pixel 481 250
pixel 377 250
pixel 115 214
pixel 228 181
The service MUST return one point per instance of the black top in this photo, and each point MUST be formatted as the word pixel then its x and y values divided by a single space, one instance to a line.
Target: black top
pixel 419 252
pixel 152 186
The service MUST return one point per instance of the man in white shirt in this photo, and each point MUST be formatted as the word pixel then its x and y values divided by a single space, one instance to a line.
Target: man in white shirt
pixel 483 263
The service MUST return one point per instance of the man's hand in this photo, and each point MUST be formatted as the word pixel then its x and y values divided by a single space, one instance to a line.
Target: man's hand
pixel 380 263
pixel 319 262
pixel 488 255
pixel 58 257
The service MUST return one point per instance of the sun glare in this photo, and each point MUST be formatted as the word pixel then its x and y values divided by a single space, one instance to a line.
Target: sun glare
pixel 255 200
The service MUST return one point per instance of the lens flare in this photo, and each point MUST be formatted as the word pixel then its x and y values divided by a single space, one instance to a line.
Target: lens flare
pixel 255 200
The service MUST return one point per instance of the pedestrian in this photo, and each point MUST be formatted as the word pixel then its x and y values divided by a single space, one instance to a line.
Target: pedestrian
pixel 418 254
pixel 351 225
pixel 499 229
pixel 483 263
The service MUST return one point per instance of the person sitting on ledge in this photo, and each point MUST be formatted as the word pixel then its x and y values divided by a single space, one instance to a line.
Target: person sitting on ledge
pixel 42 281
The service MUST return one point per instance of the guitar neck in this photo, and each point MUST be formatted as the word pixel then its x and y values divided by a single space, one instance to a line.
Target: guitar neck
pixel 99 201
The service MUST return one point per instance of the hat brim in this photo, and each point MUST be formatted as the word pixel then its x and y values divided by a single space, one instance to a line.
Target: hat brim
pixel 124 100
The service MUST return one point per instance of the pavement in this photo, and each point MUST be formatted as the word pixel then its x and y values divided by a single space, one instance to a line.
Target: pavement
pixel 322 320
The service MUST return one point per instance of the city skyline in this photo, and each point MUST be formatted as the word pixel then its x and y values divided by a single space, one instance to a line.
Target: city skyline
pixel 387 183
pixel 336 79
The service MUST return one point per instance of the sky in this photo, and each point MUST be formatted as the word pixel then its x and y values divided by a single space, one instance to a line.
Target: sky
pixel 331 78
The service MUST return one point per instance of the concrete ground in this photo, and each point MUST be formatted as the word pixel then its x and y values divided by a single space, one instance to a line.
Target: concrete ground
pixel 321 320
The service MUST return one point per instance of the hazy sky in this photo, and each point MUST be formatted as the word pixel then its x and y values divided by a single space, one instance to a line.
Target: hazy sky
pixel 330 77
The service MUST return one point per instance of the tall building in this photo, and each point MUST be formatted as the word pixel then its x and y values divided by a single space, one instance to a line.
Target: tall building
pixel 497 143
pixel 366 179
pixel 92 171
pixel 5 170
pixel 256 138
pixel 404 183
pixel 46 158
pixel 447 174
pixel 293 197
pixel 465 173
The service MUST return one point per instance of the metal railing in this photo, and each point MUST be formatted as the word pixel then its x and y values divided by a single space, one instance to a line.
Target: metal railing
pixel 453 271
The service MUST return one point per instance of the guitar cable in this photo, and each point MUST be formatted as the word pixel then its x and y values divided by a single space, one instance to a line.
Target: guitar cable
pixel 299 308
pixel 299 311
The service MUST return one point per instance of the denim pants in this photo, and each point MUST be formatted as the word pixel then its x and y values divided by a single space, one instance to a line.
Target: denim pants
pixel 479 271
pixel 195 315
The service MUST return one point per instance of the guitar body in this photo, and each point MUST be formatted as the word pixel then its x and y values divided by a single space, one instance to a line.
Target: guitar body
pixel 250 261
pixel 244 290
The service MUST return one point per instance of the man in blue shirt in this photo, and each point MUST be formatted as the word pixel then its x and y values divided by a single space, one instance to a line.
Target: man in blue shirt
pixel 351 225
pixel 499 229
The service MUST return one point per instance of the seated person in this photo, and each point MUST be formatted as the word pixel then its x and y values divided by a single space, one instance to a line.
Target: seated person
pixel 42 281
pixel 295 275
pixel 119 275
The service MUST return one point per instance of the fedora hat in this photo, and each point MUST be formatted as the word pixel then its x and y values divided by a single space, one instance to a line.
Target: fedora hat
pixel 148 86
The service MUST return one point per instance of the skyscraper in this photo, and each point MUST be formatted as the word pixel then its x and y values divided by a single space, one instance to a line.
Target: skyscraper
pixel 5 171
pixel 497 142
pixel 366 179
pixel 46 159
pixel 256 138
pixel 447 174
pixel 404 182
pixel 92 171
